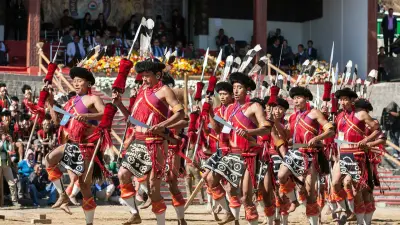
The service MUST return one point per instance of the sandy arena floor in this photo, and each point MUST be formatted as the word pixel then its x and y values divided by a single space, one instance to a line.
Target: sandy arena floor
pixel 110 215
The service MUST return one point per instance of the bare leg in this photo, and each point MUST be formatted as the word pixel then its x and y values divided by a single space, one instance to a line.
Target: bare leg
pixel 157 201
pixel 20 148
pixel 312 209
pixel 88 204
pixel 128 195
pixel 286 188
pixel 177 198
pixel 336 189
pixel 247 199
pixel 51 160
pixel 268 192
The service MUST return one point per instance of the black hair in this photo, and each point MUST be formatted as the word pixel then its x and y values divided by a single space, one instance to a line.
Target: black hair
pixel 15 98
pixel 25 87
pixel 3 84
pixel 310 41
pixel 301 45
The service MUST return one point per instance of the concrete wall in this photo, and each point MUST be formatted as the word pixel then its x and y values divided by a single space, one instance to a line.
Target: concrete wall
pixel 344 22
pixel 15 82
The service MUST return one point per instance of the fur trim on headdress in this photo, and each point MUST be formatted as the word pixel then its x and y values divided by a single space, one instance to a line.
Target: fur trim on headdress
pixel 224 86
pixel 363 103
pixel 243 79
pixel 345 92
pixel 282 102
pixel 82 73
pixel 149 65
pixel 301 91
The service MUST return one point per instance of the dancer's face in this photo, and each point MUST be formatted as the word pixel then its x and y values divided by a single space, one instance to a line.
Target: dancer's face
pixel 239 92
pixel 299 102
pixel 81 85
pixel 278 112
pixel 225 97
pixel 345 102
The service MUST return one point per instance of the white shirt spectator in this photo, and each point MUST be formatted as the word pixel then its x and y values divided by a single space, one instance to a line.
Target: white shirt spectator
pixel 71 50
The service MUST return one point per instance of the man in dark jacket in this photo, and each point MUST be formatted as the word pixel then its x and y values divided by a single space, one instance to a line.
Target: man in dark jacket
pixel 389 28
pixel 39 186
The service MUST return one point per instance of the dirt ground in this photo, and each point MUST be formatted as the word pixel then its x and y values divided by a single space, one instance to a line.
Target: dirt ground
pixel 196 215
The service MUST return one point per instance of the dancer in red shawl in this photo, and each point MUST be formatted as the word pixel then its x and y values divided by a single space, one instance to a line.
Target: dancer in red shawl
pixel 77 138
pixel 376 146
pixel 351 171
pixel 148 151
pixel 211 174
pixel 275 144
pixel 176 145
pixel 305 161
pixel 248 119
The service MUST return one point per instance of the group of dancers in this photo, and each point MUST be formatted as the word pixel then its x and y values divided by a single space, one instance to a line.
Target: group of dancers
pixel 247 150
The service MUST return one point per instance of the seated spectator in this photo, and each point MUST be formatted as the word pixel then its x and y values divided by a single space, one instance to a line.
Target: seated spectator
pixel 103 190
pixel 25 168
pixel 300 56
pixel 87 41
pixel 100 25
pixel 275 51
pixel 110 166
pixel 3 54
pixel 75 51
pixel 179 49
pixel 98 40
pixel 159 27
pixel 164 42
pixel 66 20
pixel 108 41
pixel 116 48
pixel 190 51
pixel 381 60
pixel 40 186
pixel 70 37
pixel 221 39
pixel 230 48
pixel 158 51
pixel 311 52
pixel 287 54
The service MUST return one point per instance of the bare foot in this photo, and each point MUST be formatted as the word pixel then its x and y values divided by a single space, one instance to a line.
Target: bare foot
pixel 293 206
